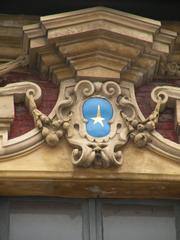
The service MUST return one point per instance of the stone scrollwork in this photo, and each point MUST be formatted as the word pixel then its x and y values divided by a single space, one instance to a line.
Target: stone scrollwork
pixel 168 95
pixel 97 119
pixel 89 150
pixel 70 122
pixel 20 90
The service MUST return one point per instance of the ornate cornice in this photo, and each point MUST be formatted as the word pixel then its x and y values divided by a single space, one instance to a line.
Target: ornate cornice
pixel 98 43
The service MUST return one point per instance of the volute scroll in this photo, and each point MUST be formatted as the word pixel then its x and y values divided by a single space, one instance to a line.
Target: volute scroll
pixel 97 119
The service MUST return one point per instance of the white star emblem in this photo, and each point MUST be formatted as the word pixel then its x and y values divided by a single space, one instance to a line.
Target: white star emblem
pixel 98 118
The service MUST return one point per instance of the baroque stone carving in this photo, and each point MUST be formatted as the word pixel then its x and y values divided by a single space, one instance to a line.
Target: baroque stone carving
pixel 107 55
pixel 93 145
pixel 170 98
pixel 69 120
pixel 89 150
pixel 168 95
pixel 21 90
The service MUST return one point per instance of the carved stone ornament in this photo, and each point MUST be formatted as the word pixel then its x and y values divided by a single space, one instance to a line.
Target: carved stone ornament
pixel 99 115
pixel 97 119
pixel 96 127
pixel 89 116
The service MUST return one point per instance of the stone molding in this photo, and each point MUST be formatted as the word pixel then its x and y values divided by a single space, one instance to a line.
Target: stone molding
pixel 109 47
pixel 103 46
pixel 98 43
pixel 10 94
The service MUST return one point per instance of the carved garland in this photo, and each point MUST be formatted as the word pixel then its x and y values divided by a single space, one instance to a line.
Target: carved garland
pixel 70 122
pixel 66 120
pixel 139 130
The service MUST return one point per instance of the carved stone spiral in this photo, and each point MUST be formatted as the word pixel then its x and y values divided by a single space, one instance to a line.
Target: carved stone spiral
pixel 111 88
pixel 84 88
pixel 20 90
pixel 62 110
pixel 83 156
pixel 127 107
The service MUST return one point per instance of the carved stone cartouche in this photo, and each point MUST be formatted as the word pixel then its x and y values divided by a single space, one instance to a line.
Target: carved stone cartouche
pixel 96 133
pixel 89 150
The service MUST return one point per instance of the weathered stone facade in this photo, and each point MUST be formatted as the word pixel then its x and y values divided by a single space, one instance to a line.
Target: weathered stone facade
pixel 94 52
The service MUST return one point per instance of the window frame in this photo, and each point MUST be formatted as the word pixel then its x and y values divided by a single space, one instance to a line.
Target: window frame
pixel 91 210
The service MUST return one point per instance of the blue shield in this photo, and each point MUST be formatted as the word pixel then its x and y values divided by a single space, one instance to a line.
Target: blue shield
pixel 98 112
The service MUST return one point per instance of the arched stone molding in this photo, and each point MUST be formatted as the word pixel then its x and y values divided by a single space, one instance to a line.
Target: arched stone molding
pixel 159 144
pixel 10 94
